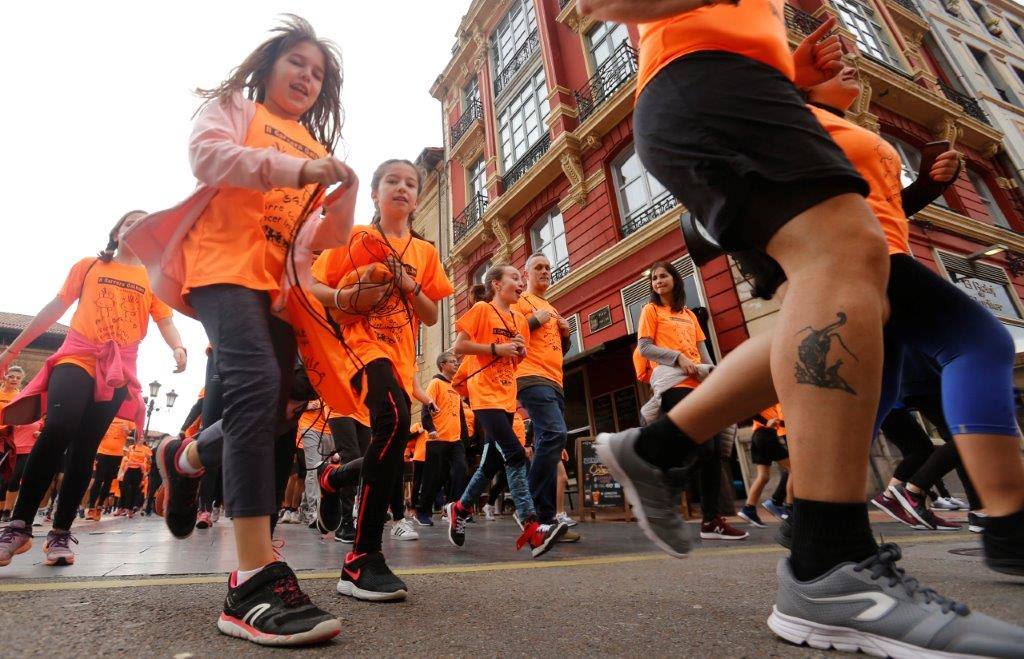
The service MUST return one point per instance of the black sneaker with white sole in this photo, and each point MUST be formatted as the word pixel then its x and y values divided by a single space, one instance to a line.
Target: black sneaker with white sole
pixel 181 491
pixel 369 578
pixel 271 609
pixel 346 534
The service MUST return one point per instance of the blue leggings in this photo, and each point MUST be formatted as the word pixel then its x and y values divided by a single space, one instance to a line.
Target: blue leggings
pixel 973 349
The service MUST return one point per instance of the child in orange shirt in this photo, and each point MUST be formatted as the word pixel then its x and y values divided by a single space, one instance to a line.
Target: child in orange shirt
pixel 382 343
pixel 84 386
pixel 492 335
pixel 261 150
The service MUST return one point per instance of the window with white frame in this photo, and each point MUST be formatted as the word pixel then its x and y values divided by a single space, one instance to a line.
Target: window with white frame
pixel 988 198
pixel 637 189
pixel 603 40
pixel 478 275
pixel 989 286
pixel 477 174
pixel 860 18
pixel 547 235
pixel 512 32
pixel 470 93
pixel 521 121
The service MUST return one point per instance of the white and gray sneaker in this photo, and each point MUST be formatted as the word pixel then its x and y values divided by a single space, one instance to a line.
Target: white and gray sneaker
pixel 403 530
pixel 654 499
pixel 565 519
pixel 489 513
pixel 874 607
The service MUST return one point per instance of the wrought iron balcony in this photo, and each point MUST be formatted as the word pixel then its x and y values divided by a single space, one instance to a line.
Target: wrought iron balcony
pixel 908 5
pixel 474 112
pixel 470 216
pixel 969 104
pixel 641 218
pixel 800 20
pixel 525 53
pixel 528 160
pixel 560 272
pixel 610 77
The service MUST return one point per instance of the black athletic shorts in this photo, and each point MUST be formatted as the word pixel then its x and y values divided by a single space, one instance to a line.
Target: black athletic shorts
pixel 733 140
pixel 767 447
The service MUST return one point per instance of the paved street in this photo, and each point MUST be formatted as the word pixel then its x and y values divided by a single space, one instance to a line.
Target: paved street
pixel 608 595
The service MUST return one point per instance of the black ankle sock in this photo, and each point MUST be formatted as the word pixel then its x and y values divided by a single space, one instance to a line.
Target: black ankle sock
pixel 1009 526
pixel 827 534
pixel 664 445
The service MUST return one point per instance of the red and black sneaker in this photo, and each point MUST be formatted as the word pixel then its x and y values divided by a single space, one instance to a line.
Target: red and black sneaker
pixel 367 577
pixel 181 491
pixel 271 609
pixel 720 529
pixel 541 537
pixel 457 517
pixel 914 505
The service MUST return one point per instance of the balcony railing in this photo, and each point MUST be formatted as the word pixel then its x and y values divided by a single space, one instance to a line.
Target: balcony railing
pixel 970 105
pixel 521 57
pixel 528 160
pixel 908 5
pixel 560 272
pixel 610 77
pixel 470 216
pixel 800 20
pixel 474 112
pixel 639 219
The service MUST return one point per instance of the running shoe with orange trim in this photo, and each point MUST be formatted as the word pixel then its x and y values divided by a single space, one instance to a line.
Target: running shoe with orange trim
pixel 58 550
pixel 15 538
pixel 271 609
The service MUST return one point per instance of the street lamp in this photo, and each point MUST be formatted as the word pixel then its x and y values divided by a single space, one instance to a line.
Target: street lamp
pixel 991 250
pixel 154 389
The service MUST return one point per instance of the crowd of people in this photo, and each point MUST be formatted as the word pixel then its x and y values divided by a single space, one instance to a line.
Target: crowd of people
pixel 306 415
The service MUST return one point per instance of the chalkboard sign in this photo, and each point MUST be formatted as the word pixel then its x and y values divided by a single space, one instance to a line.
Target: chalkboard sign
pixel 599 489
pixel 604 414
pixel 627 408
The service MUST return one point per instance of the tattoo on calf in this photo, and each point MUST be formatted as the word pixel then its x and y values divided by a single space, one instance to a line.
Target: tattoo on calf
pixel 812 357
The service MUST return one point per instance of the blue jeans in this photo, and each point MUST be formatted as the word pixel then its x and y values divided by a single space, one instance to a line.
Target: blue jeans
pixel 547 412
pixel 497 424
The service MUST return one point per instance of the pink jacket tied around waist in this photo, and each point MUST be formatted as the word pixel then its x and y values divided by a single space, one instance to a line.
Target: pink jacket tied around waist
pixel 115 368
pixel 219 158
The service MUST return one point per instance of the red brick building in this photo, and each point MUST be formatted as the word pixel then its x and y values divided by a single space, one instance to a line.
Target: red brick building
pixel 537 104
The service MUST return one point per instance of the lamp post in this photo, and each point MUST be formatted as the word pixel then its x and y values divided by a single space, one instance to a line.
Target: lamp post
pixel 154 391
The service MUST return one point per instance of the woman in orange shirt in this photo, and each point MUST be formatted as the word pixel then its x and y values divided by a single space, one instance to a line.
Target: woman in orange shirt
pixel 670 335
pixel 382 345
pixel 261 151
pixel 87 383
pixel 492 336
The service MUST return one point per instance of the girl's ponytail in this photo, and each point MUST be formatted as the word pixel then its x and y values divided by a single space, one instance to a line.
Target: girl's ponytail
pixel 110 250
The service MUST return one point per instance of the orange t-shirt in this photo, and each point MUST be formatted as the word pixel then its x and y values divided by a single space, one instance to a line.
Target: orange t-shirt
pixel 315 420
pixel 391 333
pixel 880 165
pixel 25 437
pixel 753 28
pixel 679 331
pixel 467 411
pixel 543 345
pixel 519 428
pixel 6 396
pixel 116 437
pixel 115 301
pixel 243 234
pixel 494 387
pixel 137 457
pixel 448 401
pixel 773 412
pixel 417 444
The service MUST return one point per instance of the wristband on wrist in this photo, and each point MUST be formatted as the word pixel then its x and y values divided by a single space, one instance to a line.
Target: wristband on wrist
pixel 416 289
pixel 494 349
pixel 337 291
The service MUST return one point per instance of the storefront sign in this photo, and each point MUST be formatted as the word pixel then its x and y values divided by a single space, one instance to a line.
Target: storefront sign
pixel 599 489
pixel 993 296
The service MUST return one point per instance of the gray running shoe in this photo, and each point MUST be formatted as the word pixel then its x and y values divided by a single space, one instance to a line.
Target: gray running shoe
pixel 655 501
pixel 15 538
pixel 872 606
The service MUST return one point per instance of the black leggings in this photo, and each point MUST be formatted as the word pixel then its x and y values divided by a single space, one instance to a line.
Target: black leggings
pixel 103 478
pixel 903 430
pixel 211 487
pixel 75 423
pixel 445 460
pixel 131 483
pixel 946 458
pixel 351 441
pixel 708 467
pixel 388 405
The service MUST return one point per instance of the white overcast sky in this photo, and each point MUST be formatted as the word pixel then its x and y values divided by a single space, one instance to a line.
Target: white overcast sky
pixel 98 111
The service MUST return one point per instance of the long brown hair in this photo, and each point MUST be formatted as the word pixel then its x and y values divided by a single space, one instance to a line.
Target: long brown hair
pixel 108 252
pixel 325 118
pixel 375 180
